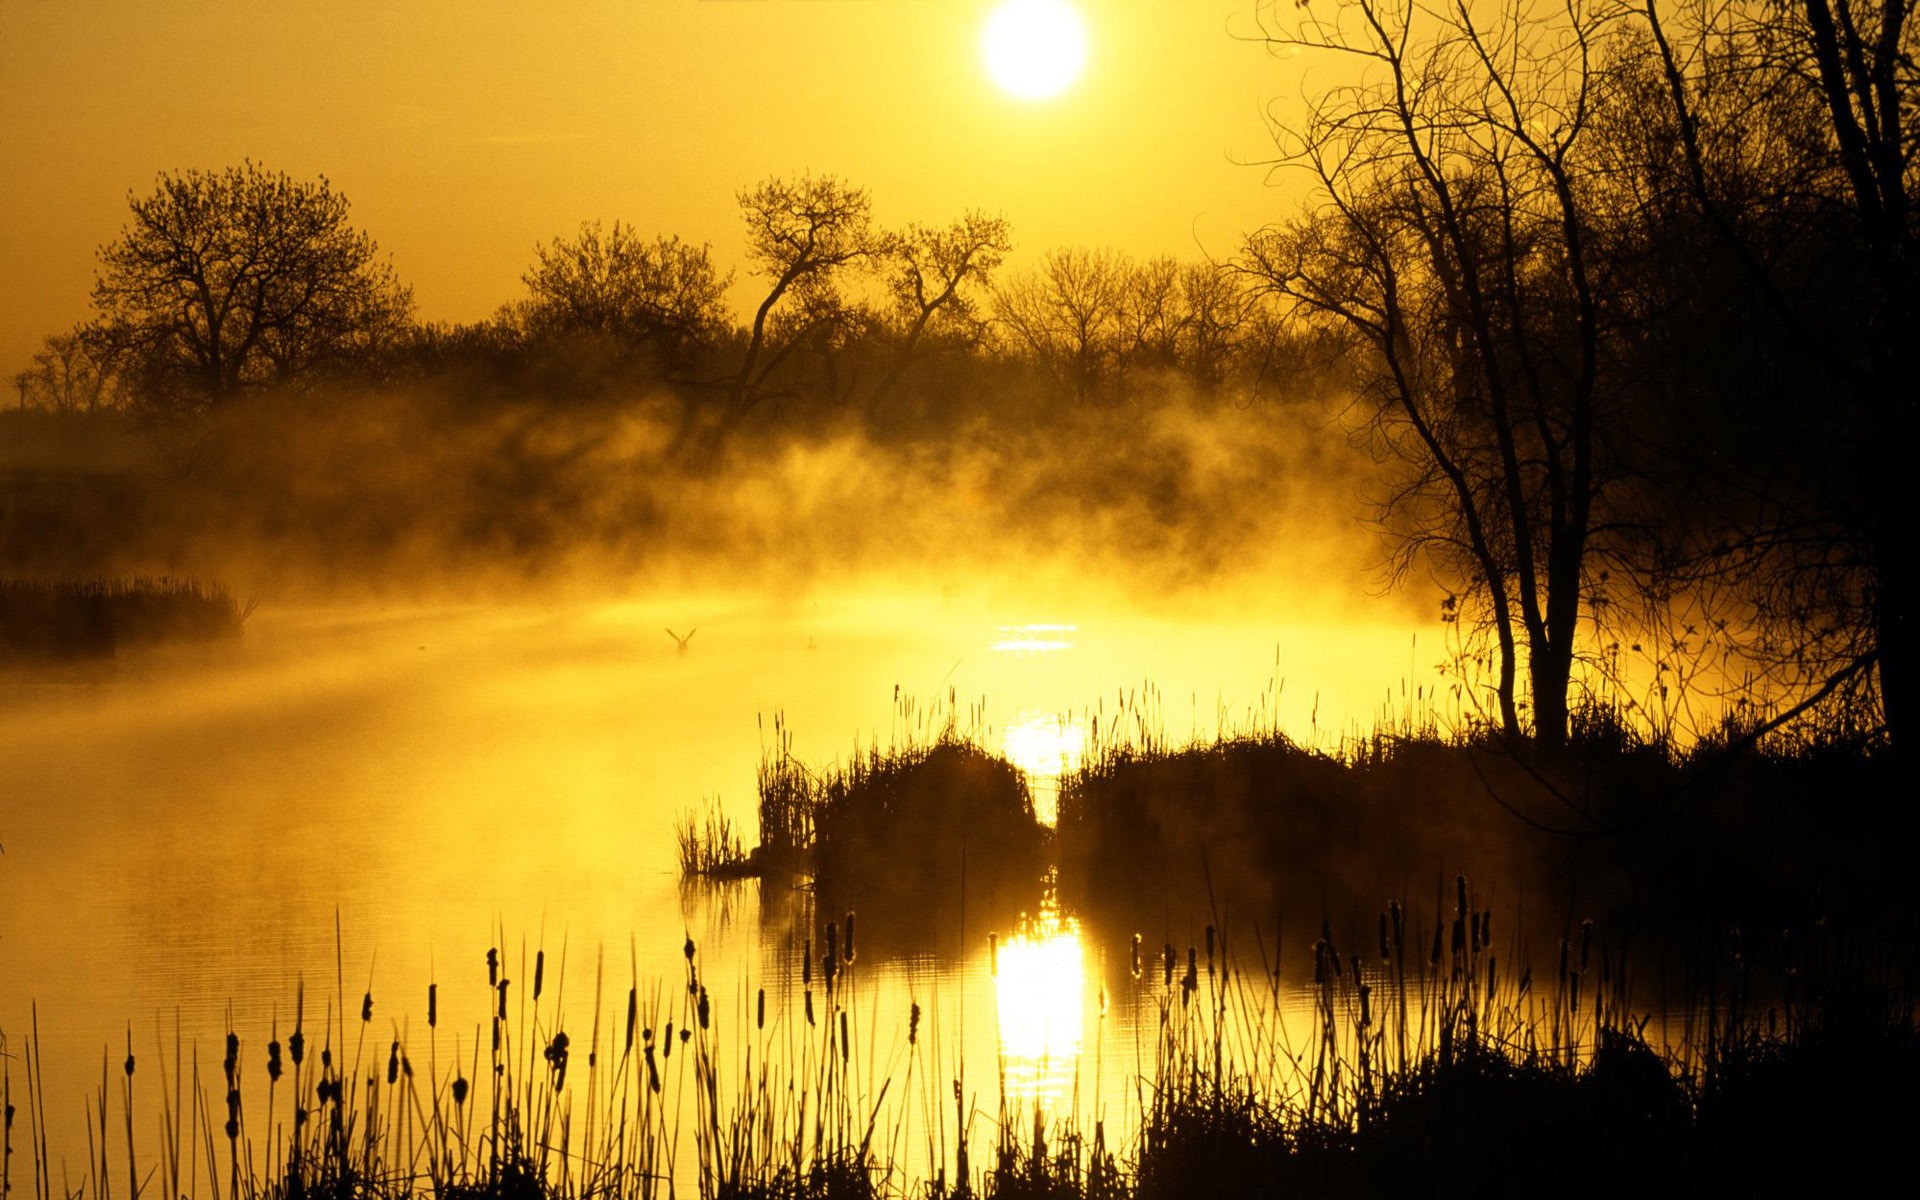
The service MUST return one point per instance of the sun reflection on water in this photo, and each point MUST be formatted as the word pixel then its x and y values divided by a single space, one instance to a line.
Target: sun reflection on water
pixel 1046 746
pixel 1039 995
pixel 1034 639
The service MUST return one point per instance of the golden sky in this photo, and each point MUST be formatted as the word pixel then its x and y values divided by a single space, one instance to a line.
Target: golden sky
pixel 466 131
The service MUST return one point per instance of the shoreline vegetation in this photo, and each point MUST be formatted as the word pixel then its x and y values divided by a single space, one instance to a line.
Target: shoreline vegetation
pixel 66 620
pixel 1428 1066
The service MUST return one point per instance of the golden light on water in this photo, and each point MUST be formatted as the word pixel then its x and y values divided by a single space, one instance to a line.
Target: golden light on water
pixel 1034 49
pixel 1046 746
pixel 1039 993
pixel 1034 639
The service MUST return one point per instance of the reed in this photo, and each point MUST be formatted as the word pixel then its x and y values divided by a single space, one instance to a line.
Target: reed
pixel 1426 1065
pixel 63 620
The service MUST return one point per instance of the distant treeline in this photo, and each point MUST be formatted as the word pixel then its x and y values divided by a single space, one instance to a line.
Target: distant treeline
pixel 1623 303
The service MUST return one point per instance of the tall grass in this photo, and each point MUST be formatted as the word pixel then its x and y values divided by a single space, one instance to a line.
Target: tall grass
pixel 59 620
pixel 1430 1060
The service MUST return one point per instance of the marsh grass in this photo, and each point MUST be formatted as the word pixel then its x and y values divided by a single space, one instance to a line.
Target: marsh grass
pixel 1425 1065
pixel 709 845
pixel 917 821
pixel 64 620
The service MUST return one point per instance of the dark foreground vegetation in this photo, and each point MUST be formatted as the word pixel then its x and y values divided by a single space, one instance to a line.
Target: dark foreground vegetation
pixel 62 621
pixel 1425 1064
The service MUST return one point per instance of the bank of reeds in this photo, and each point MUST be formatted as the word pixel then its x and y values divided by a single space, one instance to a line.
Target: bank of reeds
pixel 67 620
pixel 1426 1057
pixel 909 821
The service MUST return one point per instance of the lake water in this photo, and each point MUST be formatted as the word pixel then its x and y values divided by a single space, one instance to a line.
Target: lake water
pixel 366 800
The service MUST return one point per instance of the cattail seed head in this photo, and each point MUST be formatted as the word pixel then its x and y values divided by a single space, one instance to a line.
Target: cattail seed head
pixel 687 949
pixel 849 935
pixel 459 1090
pixel 493 966
pixel 366 1008
pixel 633 1013
pixel 993 954
pixel 760 1010
pixel 393 1065
pixel 806 964
pixel 809 1000
pixel 1133 962
pixel 502 989
pixel 297 1047
pixel 273 1060
pixel 539 973
pixel 705 1011
pixel 433 1005
pixel 913 1024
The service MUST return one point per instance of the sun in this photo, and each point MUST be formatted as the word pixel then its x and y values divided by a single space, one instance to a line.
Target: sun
pixel 1034 49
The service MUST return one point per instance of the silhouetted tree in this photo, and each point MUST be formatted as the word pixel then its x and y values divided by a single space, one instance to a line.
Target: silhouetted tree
pixel 241 278
pixel 932 277
pixel 1067 314
pixel 662 296
pixel 800 236
pixel 76 371
pixel 1792 128
pixel 1450 239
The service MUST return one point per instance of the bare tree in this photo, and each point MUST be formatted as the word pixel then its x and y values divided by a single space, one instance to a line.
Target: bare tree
pixel 1824 229
pixel 76 371
pixel 1451 240
pixel 933 277
pixel 1067 314
pixel 664 296
pixel 241 278
pixel 800 236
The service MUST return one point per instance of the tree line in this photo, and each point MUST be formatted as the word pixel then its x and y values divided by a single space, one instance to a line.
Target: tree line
pixel 1623 298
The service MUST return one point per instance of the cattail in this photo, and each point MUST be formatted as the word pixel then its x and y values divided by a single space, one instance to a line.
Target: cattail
pixel 913 1024
pixel 273 1061
pixel 653 1071
pixel 297 1046
pixel 232 1062
pixel 688 948
pixel 393 1065
pixel 1366 1009
pixel 556 1056
pixel 666 1043
pixel 809 999
pixel 539 973
pixel 1209 951
pixel 1168 957
pixel 993 953
pixel 493 967
pixel 366 1008
pixel 843 1036
pixel 806 964
pixel 459 1090
pixel 633 1014
pixel 1133 966
pixel 849 935
pixel 704 1010
pixel 433 1005
pixel 685 1033
pixel 760 1010
pixel 1399 917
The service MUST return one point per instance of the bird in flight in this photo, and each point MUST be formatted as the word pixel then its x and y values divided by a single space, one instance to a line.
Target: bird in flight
pixel 680 641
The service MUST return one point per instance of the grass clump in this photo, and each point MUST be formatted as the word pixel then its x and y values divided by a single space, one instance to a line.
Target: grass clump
pixel 709 845
pixel 65 620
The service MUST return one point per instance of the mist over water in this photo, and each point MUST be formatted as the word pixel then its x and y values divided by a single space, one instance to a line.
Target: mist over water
pixel 189 829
